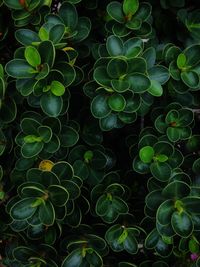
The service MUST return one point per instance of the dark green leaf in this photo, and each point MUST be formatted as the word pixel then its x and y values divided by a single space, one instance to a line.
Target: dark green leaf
pixel 115 10
pixel 58 195
pixel 139 83
pixel 100 107
pixel 47 213
pixel 51 104
pixel 23 209
pixel 114 46
pixel 182 224
pixel 19 68
pixel 74 259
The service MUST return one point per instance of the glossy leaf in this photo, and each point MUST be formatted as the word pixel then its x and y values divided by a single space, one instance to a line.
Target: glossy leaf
pixel 32 56
pixel 23 209
pixel 51 104
pixel 130 7
pixel 47 213
pixel 19 68
pixel 182 224
pixel 139 83
pixel 114 9
pixel 116 102
pixel 146 154
pixel 114 45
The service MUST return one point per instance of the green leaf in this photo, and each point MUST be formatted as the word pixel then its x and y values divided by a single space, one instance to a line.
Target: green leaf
pixel 186 117
pixel 72 188
pixel 74 259
pixel 47 213
pixel 43 34
pixel 83 29
pixel 23 253
pixel 134 24
pixel 119 30
pixel 117 68
pixel 160 124
pixel 172 117
pixel 114 46
pixel 26 36
pixel 45 133
pixel 165 212
pixel 146 154
pixel 144 11
pixel 133 47
pixel 130 7
pixel 101 77
pixel 32 190
pixel 154 199
pixel 161 171
pixel 100 107
pixel 130 243
pixel 181 61
pixel 56 33
pixel 19 68
pixel 68 136
pixel 136 65
pixel 162 158
pixel 32 56
pixel 93 258
pixel 29 126
pixel 193 245
pixel 182 224
pixel 68 72
pixel 191 204
pixel 155 89
pixel 58 195
pixel 120 86
pixel 176 190
pixel 109 122
pixel 150 56
pixel 115 10
pixel 159 73
pixel 152 239
pixel 46 50
pixel 116 102
pixel 191 53
pixel 139 166
pixel 163 148
pixel 57 88
pixel 23 209
pixel 190 78
pixel 173 134
pixel 69 15
pixel 51 104
pixel 127 118
pixel 139 83
pixel 8 110
pixel 109 207
pixel 30 150
pixel 14 4
pixel 81 169
pixel 32 139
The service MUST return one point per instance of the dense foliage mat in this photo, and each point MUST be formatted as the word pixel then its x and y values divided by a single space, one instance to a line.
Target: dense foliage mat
pixel 99 133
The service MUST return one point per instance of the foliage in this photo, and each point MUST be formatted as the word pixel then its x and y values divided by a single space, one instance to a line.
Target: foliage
pixel 99 136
